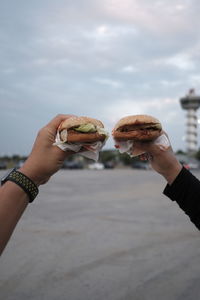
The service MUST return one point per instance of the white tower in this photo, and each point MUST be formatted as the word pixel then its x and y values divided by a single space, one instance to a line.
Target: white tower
pixel 191 102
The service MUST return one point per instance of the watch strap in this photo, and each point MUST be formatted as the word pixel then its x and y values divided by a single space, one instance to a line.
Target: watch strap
pixel 25 183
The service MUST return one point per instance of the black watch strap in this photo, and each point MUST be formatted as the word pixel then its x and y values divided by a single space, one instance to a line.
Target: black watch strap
pixel 24 182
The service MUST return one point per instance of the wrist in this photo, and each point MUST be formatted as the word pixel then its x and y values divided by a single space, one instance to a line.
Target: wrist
pixel 172 173
pixel 30 173
pixel 23 182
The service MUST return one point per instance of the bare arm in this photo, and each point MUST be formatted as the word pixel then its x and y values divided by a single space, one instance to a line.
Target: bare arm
pixel 13 202
pixel 44 160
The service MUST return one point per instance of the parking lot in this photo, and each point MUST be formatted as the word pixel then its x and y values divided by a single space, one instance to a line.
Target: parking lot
pixel 106 234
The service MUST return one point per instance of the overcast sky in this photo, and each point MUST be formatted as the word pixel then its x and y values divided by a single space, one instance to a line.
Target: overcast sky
pixel 100 58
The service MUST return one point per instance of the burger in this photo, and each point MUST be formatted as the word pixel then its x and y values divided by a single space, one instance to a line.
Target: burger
pixel 82 130
pixel 137 128
pixel 84 135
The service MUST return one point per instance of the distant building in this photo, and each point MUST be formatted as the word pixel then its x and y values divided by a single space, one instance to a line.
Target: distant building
pixel 191 102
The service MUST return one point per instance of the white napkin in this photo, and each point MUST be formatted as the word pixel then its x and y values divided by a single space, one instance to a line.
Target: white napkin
pixel 128 146
pixel 91 149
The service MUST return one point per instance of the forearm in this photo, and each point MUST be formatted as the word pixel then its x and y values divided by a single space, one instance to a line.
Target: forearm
pixel 185 190
pixel 13 202
pixel 44 160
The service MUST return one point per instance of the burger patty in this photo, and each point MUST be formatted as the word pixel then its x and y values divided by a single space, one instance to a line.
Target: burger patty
pixel 73 131
pixel 138 132
pixel 74 136
pixel 127 128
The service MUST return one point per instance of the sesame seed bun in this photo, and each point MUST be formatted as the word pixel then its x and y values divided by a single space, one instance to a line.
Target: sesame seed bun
pixel 76 121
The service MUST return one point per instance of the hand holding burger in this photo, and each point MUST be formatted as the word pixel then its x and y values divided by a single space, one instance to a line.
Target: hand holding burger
pixel 82 134
pixel 136 128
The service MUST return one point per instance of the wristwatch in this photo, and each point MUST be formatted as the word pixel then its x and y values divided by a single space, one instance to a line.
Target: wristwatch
pixel 23 181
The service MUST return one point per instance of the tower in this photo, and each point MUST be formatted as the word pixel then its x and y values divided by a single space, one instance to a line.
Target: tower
pixel 191 102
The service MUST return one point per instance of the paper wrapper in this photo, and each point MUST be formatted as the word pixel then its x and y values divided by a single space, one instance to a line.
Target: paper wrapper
pixel 91 149
pixel 128 146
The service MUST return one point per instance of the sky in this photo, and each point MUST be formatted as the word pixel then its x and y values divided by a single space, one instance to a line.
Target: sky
pixel 101 58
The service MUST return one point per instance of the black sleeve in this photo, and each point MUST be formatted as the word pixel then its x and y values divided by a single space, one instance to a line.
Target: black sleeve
pixel 185 190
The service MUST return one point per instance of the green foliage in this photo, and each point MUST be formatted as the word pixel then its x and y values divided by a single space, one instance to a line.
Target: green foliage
pixel 125 159
pixel 180 152
pixel 197 155
pixel 107 155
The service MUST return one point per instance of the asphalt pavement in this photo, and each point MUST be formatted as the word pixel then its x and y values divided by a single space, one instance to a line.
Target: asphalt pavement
pixel 102 235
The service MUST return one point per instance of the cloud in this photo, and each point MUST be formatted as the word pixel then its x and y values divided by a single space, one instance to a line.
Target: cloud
pixel 181 61
pixel 157 107
pixel 99 58
pixel 156 16
pixel 129 69
pixel 108 82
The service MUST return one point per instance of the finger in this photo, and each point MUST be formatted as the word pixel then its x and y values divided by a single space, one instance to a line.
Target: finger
pixel 153 147
pixel 55 122
pixel 145 146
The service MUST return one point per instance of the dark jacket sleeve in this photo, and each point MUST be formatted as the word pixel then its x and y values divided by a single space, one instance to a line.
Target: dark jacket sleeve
pixel 185 190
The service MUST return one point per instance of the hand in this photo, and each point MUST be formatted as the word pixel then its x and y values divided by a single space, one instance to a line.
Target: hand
pixel 45 158
pixel 161 159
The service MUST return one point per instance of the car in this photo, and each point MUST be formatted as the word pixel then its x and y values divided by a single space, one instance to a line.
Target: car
pixel 193 165
pixel 186 166
pixel 19 164
pixel 72 165
pixel 140 165
pixel 96 166
pixel 190 165
pixel 109 165
pixel 3 165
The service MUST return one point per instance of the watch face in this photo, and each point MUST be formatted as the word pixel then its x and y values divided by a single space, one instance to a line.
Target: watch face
pixel 3 179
